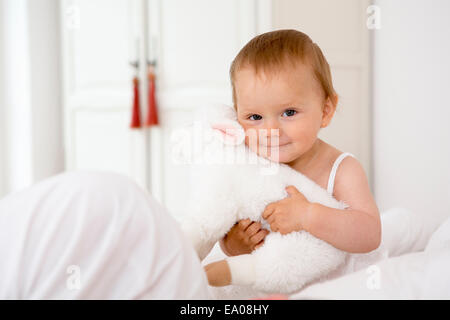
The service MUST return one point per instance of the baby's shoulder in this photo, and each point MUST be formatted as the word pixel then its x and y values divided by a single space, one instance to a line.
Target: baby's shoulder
pixel 349 167
pixel 350 176
pixel 350 182
pixel 330 153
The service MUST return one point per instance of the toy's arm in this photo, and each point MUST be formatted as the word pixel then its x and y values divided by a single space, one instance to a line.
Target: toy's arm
pixel 193 232
pixel 242 269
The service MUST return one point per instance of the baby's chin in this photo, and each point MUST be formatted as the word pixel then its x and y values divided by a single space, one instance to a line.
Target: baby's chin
pixel 285 159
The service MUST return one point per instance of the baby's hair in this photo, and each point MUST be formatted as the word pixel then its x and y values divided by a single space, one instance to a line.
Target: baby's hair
pixel 272 51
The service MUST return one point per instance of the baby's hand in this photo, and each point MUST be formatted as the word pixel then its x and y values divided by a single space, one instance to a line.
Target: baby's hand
pixel 244 237
pixel 288 214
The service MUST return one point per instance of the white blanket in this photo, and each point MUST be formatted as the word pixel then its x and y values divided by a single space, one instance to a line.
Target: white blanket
pixel 91 235
pixel 99 236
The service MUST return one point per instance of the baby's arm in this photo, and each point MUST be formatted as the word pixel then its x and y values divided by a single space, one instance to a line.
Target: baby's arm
pixel 356 229
pixel 244 237
pixel 218 273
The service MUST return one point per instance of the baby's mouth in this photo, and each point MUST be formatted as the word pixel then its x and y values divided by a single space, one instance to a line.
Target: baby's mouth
pixel 272 153
pixel 274 146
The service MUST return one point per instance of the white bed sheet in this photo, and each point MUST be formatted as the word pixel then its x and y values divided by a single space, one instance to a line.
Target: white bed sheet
pixel 417 275
pixel 418 265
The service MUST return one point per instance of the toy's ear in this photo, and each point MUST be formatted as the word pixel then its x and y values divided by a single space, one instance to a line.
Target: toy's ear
pixel 230 132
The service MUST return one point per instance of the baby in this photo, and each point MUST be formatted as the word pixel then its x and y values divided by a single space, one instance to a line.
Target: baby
pixel 282 85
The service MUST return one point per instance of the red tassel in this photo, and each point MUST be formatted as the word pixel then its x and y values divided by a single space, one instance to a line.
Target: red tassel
pixel 136 117
pixel 152 115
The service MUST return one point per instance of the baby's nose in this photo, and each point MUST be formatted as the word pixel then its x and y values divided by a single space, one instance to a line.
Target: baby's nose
pixel 272 126
pixel 270 134
pixel 272 129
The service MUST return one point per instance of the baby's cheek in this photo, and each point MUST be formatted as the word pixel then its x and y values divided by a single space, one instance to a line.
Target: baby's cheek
pixel 251 143
pixel 251 137
pixel 297 134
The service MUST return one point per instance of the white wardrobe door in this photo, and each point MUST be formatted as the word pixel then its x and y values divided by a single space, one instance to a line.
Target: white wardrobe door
pixel 194 43
pixel 98 39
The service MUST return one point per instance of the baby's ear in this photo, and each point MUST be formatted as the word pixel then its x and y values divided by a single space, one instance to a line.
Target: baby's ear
pixel 230 132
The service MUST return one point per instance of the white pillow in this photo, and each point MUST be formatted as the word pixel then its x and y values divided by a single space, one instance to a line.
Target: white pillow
pixel 403 231
pixel 440 239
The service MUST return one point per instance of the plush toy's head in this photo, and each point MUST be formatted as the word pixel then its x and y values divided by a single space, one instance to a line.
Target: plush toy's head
pixel 215 127
pixel 223 120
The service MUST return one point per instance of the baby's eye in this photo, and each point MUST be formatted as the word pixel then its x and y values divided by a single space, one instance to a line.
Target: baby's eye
pixel 290 112
pixel 255 117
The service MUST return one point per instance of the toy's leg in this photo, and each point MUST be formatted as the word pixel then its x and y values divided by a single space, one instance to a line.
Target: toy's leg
pixel 192 230
pixel 242 269
pixel 284 264
pixel 237 270
pixel 204 230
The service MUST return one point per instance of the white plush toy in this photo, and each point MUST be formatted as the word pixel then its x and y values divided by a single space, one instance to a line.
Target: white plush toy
pixel 233 183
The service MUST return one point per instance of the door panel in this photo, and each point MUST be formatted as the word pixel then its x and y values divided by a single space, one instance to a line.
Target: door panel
pixel 98 43
pixel 194 43
pixel 104 147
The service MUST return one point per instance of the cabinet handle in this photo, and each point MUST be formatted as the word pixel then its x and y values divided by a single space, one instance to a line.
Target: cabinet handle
pixel 136 109
pixel 152 114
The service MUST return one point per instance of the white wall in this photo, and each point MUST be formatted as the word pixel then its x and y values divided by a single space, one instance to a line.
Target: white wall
pixel 17 107
pixel 31 123
pixel 412 108
pixel 2 106
pixel 45 78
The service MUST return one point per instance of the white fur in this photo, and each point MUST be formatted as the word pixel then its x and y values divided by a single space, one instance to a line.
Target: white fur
pixel 226 193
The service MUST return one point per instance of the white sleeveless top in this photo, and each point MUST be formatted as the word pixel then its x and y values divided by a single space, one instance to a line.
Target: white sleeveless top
pixel 336 163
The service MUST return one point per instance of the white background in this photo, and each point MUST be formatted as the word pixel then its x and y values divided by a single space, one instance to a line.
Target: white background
pixel 411 107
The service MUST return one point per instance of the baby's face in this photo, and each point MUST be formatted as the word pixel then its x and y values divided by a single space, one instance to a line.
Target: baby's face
pixel 290 101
